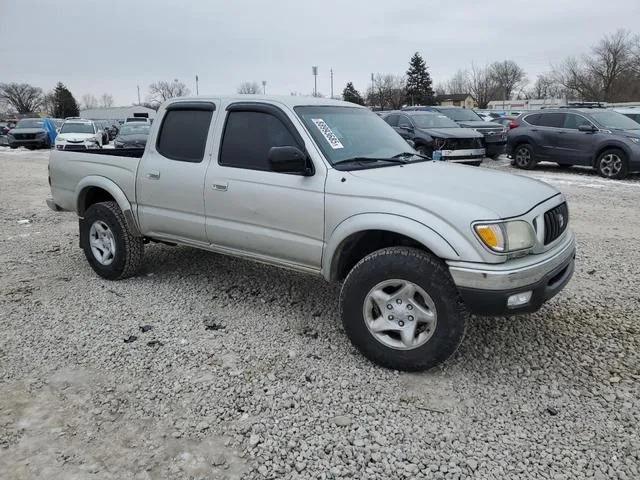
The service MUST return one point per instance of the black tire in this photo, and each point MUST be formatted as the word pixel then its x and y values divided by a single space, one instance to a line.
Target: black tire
pixel 13 146
pixel 129 250
pixel 613 163
pixel 475 164
pixel 429 274
pixel 564 166
pixel 524 156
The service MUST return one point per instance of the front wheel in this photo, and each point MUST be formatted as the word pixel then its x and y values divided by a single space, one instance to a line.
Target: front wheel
pixel 523 157
pixel 612 163
pixel 401 309
pixel 111 250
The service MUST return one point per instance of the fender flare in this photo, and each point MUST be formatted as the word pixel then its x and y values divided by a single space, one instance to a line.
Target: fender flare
pixel 402 225
pixel 95 181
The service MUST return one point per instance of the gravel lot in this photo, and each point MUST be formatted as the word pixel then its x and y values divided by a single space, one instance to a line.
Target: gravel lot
pixel 243 372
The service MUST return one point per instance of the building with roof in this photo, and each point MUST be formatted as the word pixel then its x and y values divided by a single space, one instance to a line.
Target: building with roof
pixel 464 100
pixel 116 113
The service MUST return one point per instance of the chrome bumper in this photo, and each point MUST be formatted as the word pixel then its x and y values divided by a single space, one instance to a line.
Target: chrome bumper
pixel 512 274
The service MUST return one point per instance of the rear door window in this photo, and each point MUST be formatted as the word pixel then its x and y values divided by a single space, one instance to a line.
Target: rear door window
pixel 183 134
pixel 392 120
pixel 555 120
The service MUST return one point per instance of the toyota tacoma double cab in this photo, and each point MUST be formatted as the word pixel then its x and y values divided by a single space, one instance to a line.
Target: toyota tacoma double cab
pixel 327 188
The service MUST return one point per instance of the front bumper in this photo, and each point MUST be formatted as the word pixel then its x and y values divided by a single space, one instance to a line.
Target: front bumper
pixel 486 290
pixel 463 155
pixel 52 205
pixel 31 142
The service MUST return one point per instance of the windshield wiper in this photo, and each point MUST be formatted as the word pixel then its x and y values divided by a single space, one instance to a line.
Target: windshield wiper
pixel 369 160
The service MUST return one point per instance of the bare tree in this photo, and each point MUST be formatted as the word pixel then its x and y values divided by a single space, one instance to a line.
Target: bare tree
pixel 49 103
pixel 610 73
pixel 24 98
pixel 481 85
pixel 89 101
pixel 388 91
pixel 508 78
pixel 546 86
pixel 106 100
pixel 440 89
pixel 161 91
pixel 251 88
pixel 459 83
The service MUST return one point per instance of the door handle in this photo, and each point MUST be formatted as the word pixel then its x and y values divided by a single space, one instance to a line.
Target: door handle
pixel 153 175
pixel 220 187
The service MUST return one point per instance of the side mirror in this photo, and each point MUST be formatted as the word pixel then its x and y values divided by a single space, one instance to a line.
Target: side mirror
pixel 587 128
pixel 289 160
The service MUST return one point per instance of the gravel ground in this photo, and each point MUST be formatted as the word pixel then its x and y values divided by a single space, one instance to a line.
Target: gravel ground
pixel 241 370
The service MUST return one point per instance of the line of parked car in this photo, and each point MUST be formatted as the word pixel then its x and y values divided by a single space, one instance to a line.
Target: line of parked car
pixel 75 133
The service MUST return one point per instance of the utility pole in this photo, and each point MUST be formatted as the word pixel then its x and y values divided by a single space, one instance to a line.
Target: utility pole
pixel 315 81
pixel 332 83
pixel 372 89
pixel 197 91
pixel 264 87
pixel 138 94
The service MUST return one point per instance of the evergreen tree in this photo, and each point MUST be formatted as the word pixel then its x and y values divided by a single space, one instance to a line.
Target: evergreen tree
pixel 419 89
pixel 64 105
pixel 350 94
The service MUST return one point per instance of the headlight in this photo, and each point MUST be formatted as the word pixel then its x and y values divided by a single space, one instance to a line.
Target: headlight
pixel 506 236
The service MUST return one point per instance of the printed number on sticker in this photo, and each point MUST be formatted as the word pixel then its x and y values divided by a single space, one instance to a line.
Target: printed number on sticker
pixel 327 133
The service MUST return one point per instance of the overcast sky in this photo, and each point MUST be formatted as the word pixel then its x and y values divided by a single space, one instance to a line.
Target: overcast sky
pixel 114 45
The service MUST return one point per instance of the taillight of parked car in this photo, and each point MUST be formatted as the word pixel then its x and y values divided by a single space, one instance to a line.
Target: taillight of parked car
pixel 513 124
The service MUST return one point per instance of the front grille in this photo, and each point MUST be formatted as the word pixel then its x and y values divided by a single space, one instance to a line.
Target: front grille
pixel 75 147
pixel 555 222
pixel 462 143
pixel 25 136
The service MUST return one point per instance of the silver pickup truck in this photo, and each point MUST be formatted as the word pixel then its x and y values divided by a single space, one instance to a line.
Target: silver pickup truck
pixel 327 188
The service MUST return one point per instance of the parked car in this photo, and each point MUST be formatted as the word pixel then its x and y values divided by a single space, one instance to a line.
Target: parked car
pixel 132 135
pixel 328 188
pixel 595 137
pixel 58 123
pixel 103 128
pixel 137 119
pixel 632 112
pixel 495 136
pixel 79 134
pixel 507 121
pixel 434 133
pixel 487 116
pixel 32 133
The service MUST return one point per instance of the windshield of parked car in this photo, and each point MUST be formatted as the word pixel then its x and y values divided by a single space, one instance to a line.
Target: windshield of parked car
pixel 30 123
pixel 348 132
pixel 435 120
pixel 135 129
pixel 614 120
pixel 77 128
pixel 461 114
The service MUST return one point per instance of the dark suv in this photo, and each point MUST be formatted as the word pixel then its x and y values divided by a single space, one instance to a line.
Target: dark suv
pixel 600 138
pixel 495 136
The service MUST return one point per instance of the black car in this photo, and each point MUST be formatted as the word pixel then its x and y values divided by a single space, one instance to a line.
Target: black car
pixel 594 137
pixel 132 135
pixel 32 133
pixel 495 135
pixel 433 133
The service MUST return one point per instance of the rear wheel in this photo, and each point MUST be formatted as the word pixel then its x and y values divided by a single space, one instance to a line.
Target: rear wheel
pixel 401 309
pixel 612 163
pixel 523 156
pixel 111 250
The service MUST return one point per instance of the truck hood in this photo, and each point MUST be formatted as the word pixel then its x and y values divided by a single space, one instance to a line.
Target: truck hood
pixel 459 190
pixel 451 132
pixel 74 137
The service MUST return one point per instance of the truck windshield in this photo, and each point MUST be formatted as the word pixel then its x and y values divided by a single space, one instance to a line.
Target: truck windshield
pixel 351 132
pixel 461 114
pixel 77 128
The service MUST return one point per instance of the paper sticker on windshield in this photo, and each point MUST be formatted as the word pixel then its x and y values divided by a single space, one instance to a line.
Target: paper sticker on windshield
pixel 327 133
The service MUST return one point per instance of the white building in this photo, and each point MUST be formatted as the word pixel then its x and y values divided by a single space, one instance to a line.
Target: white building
pixel 116 113
pixel 532 104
